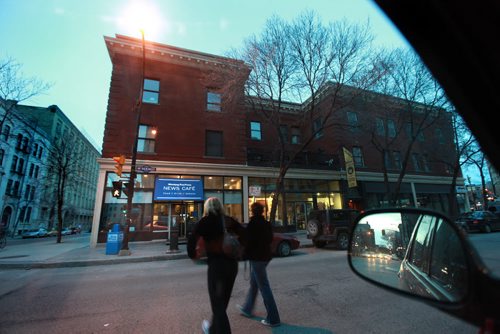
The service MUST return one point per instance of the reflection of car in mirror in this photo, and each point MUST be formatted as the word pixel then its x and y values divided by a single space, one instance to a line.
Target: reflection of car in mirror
pixel 414 252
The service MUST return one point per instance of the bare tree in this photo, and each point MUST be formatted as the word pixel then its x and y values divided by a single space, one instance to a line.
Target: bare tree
pixel 478 160
pixel 420 104
pixel 64 167
pixel 15 87
pixel 307 63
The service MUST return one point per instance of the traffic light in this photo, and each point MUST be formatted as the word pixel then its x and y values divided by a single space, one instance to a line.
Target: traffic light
pixel 120 160
pixel 117 189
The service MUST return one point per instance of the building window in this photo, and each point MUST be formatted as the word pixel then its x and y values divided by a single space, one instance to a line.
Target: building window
pixel 2 153
pixel 14 164
pixel 379 126
pixel 37 169
pixel 387 160
pixel 40 152
pixel 352 120
pixel 20 166
pixel 397 159
pixel 151 92
pixel 255 131
pixel 32 193
pixel 146 139
pixel 6 132
pixel 357 155
pixel 391 128
pixel 284 133
pixel 317 128
pixel 8 189
pixel 295 135
pixel 416 162
pixel 213 101
pixel 27 192
pixel 213 143
pixel 425 163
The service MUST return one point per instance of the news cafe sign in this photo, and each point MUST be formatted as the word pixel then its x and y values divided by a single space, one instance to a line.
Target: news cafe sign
pixel 178 189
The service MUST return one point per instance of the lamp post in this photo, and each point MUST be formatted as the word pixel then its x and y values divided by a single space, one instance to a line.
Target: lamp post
pixel 138 107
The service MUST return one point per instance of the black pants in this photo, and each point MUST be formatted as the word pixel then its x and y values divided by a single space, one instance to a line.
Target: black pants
pixel 221 276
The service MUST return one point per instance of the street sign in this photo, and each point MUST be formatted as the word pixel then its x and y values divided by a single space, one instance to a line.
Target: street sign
pixel 146 169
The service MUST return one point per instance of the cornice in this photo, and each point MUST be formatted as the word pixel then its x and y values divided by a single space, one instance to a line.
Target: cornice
pixel 129 46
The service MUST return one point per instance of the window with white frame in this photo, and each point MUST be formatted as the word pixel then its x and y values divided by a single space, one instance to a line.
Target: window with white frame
pixel 146 139
pixel 397 160
pixel 255 131
pixel 214 101
pixel 151 93
pixel 284 133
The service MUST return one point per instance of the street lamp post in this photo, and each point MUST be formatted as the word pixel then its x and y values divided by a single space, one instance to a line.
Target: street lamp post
pixel 131 184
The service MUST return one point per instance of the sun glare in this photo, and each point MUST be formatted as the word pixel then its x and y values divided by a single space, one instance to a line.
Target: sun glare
pixel 141 15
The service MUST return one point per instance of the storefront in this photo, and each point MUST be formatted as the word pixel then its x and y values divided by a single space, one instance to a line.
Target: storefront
pixel 162 202
pixel 299 198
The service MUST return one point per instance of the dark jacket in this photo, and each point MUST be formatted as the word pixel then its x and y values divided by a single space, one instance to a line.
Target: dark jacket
pixel 259 238
pixel 211 230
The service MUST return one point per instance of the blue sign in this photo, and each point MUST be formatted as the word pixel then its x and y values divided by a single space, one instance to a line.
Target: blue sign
pixel 178 189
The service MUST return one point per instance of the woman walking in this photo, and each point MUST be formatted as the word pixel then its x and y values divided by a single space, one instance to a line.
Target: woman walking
pixel 258 252
pixel 222 270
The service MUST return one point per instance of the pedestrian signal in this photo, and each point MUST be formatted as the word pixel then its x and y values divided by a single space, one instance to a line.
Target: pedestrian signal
pixel 117 189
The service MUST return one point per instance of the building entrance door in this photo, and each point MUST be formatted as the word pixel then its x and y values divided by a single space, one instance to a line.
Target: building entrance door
pixel 181 215
pixel 298 212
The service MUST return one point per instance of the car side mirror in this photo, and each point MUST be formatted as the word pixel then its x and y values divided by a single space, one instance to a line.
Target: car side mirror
pixel 417 252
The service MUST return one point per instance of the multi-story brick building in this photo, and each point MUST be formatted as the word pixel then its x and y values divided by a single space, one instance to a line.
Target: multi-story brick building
pixel 193 134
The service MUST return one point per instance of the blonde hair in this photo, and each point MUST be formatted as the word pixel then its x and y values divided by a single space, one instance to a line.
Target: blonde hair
pixel 213 206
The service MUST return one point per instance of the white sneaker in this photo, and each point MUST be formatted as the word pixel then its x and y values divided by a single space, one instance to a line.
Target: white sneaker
pixel 266 323
pixel 205 326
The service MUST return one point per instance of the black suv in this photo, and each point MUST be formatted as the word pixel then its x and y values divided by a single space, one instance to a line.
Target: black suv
pixel 327 226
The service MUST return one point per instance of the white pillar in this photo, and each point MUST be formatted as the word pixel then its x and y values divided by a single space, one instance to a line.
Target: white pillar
pixel 101 186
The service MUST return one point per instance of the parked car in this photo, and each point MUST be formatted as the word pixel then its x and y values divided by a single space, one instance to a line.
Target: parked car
pixel 65 231
pixel 482 221
pixel 75 230
pixel 36 233
pixel 330 226
pixel 281 246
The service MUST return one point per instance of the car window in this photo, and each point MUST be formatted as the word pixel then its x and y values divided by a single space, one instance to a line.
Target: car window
pixel 420 251
pixel 448 264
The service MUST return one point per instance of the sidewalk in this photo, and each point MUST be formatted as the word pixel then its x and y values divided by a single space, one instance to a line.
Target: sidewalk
pixel 74 251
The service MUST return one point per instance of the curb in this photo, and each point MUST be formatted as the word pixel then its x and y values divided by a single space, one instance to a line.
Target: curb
pixel 100 262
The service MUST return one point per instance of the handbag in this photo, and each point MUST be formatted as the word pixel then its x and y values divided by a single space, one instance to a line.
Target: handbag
pixel 231 246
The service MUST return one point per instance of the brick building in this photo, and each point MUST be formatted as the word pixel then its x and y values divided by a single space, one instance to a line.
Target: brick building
pixel 196 134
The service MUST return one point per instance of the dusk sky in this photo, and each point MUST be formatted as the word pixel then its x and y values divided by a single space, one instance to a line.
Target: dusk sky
pixel 62 41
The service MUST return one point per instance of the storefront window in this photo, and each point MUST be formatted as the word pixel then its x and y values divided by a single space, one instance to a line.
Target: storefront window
pixel 213 182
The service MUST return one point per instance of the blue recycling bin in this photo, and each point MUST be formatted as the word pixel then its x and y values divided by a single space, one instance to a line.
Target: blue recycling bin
pixel 114 240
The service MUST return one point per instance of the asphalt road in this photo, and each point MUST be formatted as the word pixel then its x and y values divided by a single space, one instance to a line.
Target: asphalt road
pixel 315 291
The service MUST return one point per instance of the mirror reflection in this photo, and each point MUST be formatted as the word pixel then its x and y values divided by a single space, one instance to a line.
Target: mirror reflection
pixel 418 253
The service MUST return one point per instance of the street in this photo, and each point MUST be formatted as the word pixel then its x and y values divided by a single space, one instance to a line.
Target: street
pixel 315 291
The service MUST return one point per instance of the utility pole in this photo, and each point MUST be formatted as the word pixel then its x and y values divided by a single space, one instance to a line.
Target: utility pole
pixel 131 184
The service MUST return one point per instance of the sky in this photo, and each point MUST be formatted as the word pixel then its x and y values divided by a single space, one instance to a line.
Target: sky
pixel 62 41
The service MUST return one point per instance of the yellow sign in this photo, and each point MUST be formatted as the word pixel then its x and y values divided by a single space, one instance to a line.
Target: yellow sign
pixel 349 167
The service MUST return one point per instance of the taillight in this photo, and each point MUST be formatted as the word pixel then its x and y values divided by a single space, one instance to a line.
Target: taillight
pixel 475 222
